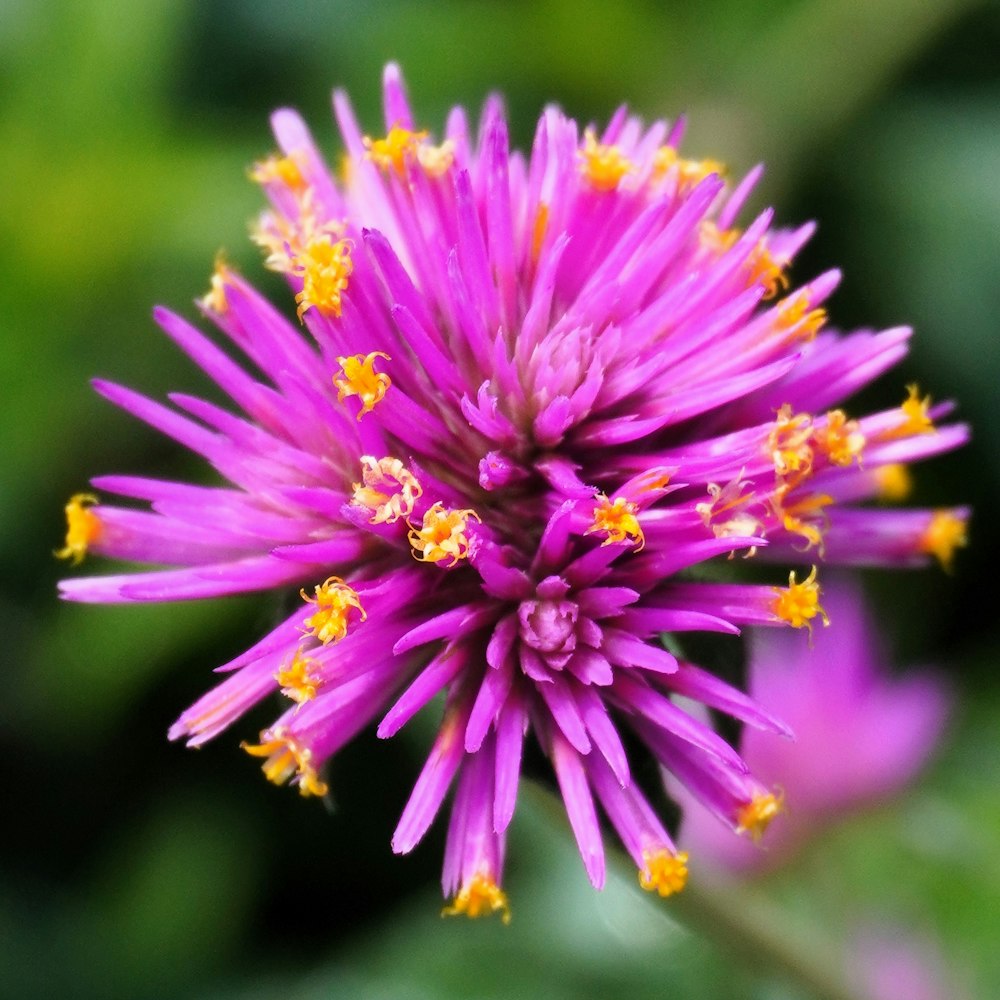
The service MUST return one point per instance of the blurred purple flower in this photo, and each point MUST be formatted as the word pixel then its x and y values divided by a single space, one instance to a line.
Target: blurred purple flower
pixel 860 734
pixel 535 391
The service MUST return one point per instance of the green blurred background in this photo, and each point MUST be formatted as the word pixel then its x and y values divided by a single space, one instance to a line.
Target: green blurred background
pixel 133 868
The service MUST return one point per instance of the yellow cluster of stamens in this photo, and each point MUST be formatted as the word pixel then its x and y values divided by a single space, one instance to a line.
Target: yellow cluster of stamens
pixel 358 378
pixel 767 270
pixel 756 816
pixel 603 166
pixel 334 600
pixel 479 897
pixel 800 517
pixel 215 298
pixel 285 759
pixel 715 240
pixel 83 527
pixel 795 317
pixel 727 514
pixel 893 482
pixel 916 414
pixel 401 146
pixel 299 680
pixel 798 603
pixel 790 446
pixel 387 488
pixel 282 169
pixel 325 268
pixel 664 872
pixel 945 533
pixel 839 439
pixel 618 520
pixel 689 172
pixel 442 535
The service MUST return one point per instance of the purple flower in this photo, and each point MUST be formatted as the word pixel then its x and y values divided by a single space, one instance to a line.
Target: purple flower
pixel 532 396
pixel 860 735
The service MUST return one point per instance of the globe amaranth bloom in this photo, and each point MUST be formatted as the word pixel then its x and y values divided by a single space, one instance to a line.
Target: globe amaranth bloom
pixel 861 734
pixel 526 399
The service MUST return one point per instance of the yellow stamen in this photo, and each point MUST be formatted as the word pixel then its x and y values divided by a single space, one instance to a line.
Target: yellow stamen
pixel 286 241
pixel 716 241
pixel 388 488
pixel 283 169
pixel 83 527
pixel 789 445
pixel 358 378
pixel 795 317
pixel 619 520
pixel 664 872
pixel 893 482
pixel 756 816
pixel 839 439
pixel 334 600
pixel 916 414
pixel 479 897
pixel 215 298
pixel 798 603
pixel 299 680
pixel 945 533
pixel 286 758
pixel 325 267
pixel 689 172
pixel 794 518
pixel 392 151
pixel 442 535
pixel 602 166
pixel 767 270
pixel 436 160
pixel 727 500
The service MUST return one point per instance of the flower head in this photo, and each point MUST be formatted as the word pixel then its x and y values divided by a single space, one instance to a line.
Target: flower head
pixel 530 396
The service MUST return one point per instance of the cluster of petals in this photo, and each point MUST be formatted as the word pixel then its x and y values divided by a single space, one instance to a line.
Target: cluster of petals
pixel 526 400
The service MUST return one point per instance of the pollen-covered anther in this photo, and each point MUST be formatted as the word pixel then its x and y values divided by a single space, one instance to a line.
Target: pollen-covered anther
pixel 442 535
pixel 664 872
pixel 83 527
pixel 795 317
pixel 756 816
pixel 767 270
pixel 603 166
pixel 715 240
pixel 798 603
pixel 689 172
pixel 334 600
pixel 618 520
pixel 358 378
pixel 281 169
pixel 286 759
pixel 387 488
pixel 480 896
pixel 806 517
pixel 215 298
pixel 840 439
pixel 945 533
pixel 325 268
pixel 893 482
pixel 395 149
pixel 299 680
pixel 916 418
pixel 790 445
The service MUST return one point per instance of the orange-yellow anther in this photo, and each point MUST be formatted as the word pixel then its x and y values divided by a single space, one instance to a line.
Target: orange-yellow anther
pixel 83 527
pixel 281 169
pixel 324 267
pixel 689 172
pixel 789 445
pixel 767 270
pixel 285 759
pixel 839 439
pixel 893 482
pixel 916 414
pixel 299 680
pixel 215 298
pixel 334 600
pixel 618 520
pixel 945 533
pixel 358 378
pixel 756 816
pixel 392 151
pixel 663 871
pixel 479 897
pixel 442 535
pixel 795 317
pixel 387 488
pixel 805 517
pixel 603 166
pixel 715 240
pixel 798 603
